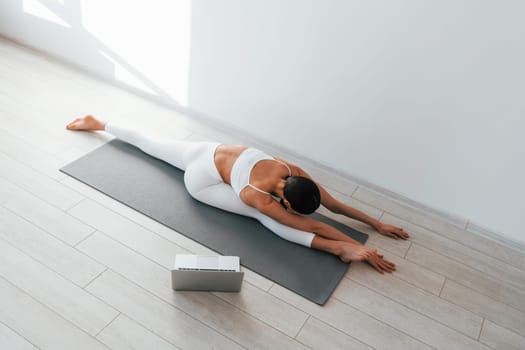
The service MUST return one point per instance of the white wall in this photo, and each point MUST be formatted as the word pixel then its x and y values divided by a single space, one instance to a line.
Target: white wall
pixel 425 99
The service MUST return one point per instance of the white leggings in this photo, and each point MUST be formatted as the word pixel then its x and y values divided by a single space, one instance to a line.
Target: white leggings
pixel 202 180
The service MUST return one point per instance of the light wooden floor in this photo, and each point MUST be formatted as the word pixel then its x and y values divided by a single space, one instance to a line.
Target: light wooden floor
pixel 81 271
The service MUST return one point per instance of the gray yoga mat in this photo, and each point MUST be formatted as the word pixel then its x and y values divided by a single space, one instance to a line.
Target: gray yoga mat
pixel 157 190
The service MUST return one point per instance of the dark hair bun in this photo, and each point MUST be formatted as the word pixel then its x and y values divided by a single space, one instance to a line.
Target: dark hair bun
pixel 302 193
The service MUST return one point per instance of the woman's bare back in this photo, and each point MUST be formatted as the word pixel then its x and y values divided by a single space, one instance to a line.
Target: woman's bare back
pixel 225 157
pixel 265 174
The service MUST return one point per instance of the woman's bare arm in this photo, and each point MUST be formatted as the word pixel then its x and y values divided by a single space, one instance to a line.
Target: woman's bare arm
pixel 327 238
pixel 273 209
pixel 338 207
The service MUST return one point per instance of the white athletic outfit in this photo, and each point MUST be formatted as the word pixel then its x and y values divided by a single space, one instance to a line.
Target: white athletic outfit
pixel 242 169
pixel 203 181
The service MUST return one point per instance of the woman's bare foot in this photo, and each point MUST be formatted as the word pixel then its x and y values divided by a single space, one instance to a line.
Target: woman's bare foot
pixel 353 252
pixel 88 123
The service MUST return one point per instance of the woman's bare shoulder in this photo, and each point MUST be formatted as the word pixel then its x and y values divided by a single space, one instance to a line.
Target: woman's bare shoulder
pixel 296 169
pixel 255 198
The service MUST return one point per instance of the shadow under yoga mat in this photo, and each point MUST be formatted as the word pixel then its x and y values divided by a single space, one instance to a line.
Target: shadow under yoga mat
pixel 157 190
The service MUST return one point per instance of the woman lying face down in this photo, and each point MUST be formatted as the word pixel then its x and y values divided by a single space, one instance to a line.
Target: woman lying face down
pixel 249 182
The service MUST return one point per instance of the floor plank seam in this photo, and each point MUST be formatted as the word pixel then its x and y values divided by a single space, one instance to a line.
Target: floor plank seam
pixel 442 286
pixel 37 196
pixel 94 278
pixel 127 247
pixel 126 218
pixel 64 183
pixel 46 63
pixel 254 316
pixel 418 312
pixel 406 251
pixel 437 233
pixel 59 274
pixel 85 238
pixel 507 329
pixel 481 328
pixel 49 309
pixel 349 277
pixel 167 272
pixel 485 317
pixel 24 190
pixel 491 277
pixel 355 190
pixel 28 191
pixel 29 145
pixel 30 74
pixel 486 296
pixel 43 229
pixel 150 330
pixel 382 322
pixel 422 267
pixel 164 301
pixel 41 262
pixel 270 287
pixel 145 228
pixel 17 333
pixel 348 335
pixel 110 322
pixel 82 199
pixel 16 116
pixel 302 326
pixel 310 315
pixel 303 344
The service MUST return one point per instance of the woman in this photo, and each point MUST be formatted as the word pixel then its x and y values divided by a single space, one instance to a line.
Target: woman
pixel 247 181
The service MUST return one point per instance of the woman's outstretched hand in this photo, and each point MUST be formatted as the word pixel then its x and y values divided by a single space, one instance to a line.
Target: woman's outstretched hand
pixel 378 262
pixel 354 252
pixel 392 231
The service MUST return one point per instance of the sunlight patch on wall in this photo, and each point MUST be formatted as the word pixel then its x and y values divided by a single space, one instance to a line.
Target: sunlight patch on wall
pixel 36 8
pixel 123 75
pixel 149 42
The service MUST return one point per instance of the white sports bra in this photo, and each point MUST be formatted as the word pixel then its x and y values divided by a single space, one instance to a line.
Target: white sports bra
pixel 242 169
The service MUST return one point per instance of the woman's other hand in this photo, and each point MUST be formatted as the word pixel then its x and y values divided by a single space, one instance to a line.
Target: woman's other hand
pixel 392 231
pixel 378 262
